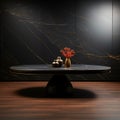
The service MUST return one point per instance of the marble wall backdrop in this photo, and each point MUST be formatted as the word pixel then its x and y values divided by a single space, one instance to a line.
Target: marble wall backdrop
pixel 34 32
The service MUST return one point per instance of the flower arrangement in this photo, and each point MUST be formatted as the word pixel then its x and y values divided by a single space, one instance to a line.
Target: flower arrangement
pixel 67 52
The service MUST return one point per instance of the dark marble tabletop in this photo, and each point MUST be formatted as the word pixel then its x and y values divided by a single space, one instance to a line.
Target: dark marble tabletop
pixel 48 69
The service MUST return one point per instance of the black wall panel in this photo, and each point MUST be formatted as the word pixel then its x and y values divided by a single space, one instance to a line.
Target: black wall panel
pixel 33 32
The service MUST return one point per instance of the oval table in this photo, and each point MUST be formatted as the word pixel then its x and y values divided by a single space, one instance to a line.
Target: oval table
pixel 59 83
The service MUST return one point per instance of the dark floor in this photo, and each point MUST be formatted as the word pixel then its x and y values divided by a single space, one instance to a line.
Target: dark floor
pixel 90 101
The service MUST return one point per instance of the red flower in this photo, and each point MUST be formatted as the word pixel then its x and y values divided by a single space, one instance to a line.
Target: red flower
pixel 67 52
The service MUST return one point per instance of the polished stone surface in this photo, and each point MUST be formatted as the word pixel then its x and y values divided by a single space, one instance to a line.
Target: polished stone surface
pixel 35 32
pixel 75 68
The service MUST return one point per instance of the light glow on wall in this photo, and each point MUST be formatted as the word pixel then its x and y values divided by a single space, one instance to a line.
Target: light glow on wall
pixel 100 21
